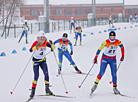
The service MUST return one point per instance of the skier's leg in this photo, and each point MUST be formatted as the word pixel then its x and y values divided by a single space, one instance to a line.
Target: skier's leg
pixel 68 56
pixel 76 39
pixel 101 73
pixel 36 75
pixel 21 36
pixel 26 37
pixel 60 56
pixel 80 38
pixel 43 66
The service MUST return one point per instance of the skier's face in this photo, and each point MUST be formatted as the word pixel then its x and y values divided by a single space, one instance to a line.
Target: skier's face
pixel 41 39
pixel 112 37
pixel 64 38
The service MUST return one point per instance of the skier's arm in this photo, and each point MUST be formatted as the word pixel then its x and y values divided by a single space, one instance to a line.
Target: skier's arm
pixel 28 28
pixel 71 47
pixel 122 50
pixel 52 46
pixel 33 47
pixel 98 51
pixel 57 41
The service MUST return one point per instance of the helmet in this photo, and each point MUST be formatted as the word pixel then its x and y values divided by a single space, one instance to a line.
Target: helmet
pixel 71 17
pixel 65 35
pixel 112 33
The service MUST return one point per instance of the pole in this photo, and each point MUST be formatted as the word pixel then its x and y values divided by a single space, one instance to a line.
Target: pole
pixel 123 8
pixel 94 8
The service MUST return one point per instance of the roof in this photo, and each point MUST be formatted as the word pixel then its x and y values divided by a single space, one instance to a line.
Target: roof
pixel 63 2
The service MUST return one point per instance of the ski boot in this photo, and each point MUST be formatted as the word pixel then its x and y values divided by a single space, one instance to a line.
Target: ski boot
pixel 59 70
pixel 77 70
pixel 19 40
pixel 48 92
pixel 94 88
pixel 26 42
pixel 80 42
pixel 32 92
pixel 75 43
pixel 116 91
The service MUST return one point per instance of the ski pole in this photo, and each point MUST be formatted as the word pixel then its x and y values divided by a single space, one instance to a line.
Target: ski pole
pixel 60 74
pixel 24 71
pixel 22 74
pixel 18 34
pixel 117 70
pixel 86 76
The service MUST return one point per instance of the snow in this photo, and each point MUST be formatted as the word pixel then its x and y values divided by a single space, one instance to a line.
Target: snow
pixel 12 66
pixel 59 2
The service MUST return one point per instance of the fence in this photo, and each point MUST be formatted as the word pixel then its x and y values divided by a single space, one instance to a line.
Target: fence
pixel 54 26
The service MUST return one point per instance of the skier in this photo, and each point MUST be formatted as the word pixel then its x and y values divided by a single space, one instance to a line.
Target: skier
pixel 131 19
pixel 63 50
pixel 136 18
pixel 78 32
pixel 111 21
pixel 72 24
pixel 109 57
pixel 25 28
pixel 39 59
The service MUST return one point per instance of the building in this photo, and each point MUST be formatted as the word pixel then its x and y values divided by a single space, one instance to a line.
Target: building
pixel 78 11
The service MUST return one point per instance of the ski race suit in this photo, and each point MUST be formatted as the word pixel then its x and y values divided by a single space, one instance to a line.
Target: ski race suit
pixel 63 50
pixel 72 24
pixel 78 32
pixel 39 59
pixel 136 18
pixel 109 57
pixel 25 28
pixel 110 20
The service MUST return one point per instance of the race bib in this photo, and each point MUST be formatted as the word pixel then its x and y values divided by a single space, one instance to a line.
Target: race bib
pixel 111 51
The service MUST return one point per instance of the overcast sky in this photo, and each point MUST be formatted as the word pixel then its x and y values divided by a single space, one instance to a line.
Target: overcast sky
pixel 57 2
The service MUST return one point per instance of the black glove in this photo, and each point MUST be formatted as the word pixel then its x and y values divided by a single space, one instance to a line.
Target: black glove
pixel 37 45
pixel 51 49
pixel 50 41
pixel 71 53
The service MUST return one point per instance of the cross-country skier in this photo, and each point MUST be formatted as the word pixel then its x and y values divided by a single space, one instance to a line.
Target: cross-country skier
pixel 25 28
pixel 39 59
pixel 136 18
pixel 72 24
pixel 78 32
pixel 131 19
pixel 63 50
pixel 110 21
pixel 109 57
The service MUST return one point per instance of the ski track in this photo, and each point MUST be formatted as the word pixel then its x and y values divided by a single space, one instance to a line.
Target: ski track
pixel 12 65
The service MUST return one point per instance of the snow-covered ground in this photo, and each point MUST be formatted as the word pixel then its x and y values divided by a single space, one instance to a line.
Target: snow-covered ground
pixel 12 65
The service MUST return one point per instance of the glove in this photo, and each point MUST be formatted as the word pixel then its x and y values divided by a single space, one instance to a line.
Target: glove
pixel 95 59
pixel 53 47
pixel 71 53
pixel 50 41
pixel 37 45
pixel 122 58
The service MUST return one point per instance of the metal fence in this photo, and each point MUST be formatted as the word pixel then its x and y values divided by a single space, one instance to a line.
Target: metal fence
pixel 54 26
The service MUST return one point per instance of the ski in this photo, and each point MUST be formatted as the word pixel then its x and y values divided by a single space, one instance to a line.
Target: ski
pixel 82 73
pixel 91 94
pixel 57 96
pixel 29 99
pixel 123 95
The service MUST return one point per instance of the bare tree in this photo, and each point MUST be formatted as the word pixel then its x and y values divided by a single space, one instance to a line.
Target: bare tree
pixel 10 6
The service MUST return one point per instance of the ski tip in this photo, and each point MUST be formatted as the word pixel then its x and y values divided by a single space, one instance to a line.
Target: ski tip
pixel 110 82
pixel 79 86
pixel 11 92
pixel 66 92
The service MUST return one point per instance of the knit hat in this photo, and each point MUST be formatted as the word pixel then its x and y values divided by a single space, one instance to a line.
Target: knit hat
pixel 41 33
